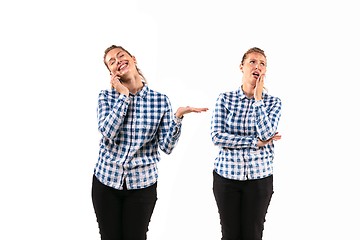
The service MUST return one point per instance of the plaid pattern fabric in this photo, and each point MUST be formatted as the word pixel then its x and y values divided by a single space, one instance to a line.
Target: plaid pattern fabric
pixel 236 126
pixel 133 128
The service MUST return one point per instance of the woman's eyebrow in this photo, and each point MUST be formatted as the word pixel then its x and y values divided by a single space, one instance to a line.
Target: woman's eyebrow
pixel 118 53
pixel 260 60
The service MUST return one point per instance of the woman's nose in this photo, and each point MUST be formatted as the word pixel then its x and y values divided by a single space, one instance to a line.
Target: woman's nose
pixel 118 62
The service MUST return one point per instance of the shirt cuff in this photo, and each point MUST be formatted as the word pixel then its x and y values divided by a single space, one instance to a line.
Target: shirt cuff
pixel 258 103
pixel 178 120
pixel 124 98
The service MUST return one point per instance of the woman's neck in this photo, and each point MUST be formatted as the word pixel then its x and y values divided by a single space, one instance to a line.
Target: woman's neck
pixel 248 89
pixel 134 83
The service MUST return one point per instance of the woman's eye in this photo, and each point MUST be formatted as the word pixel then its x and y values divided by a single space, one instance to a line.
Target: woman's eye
pixel 252 61
pixel 262 64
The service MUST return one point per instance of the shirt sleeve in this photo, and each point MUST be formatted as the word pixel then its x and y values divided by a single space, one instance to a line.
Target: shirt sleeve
pixel 218 131
pixel 267 118
pixel 111 114
pixel 170 130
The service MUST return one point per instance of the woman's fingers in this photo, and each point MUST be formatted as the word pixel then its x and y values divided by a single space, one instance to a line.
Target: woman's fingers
pixel 115 82
pixel 259 87
pixel 185 110
pixel 193 109
pixel 113 78
pixel 276 137
pixel 200 109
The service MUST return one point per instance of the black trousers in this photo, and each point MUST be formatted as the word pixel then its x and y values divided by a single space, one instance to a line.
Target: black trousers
pixel 123 214
pixel 242 206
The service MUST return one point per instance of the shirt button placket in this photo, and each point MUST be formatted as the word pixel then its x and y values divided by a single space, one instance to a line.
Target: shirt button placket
pixel 133 120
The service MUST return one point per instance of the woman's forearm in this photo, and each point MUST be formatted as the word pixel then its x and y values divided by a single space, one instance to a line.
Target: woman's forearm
pixel 110 118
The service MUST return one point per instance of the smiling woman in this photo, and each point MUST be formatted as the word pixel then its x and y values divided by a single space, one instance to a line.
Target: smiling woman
pixel 120 55
pixel 134 122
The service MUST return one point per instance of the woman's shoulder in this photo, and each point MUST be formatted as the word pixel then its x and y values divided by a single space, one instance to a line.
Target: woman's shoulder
pixel 109 93
pixel 229 96
pixel 271 99
pixel 156 95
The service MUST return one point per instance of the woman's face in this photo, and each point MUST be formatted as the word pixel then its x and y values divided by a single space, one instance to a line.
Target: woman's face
pixel 253 67
pixel 120 63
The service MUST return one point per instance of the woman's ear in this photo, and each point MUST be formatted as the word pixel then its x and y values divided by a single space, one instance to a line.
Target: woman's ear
pixel 134 58
pixel 241 68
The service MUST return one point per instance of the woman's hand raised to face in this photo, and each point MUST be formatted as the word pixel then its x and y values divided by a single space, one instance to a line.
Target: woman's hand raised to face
pixel 185 110
pixel 115 82
pixel 259 87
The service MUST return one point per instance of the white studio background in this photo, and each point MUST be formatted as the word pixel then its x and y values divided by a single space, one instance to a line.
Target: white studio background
pixel 52 71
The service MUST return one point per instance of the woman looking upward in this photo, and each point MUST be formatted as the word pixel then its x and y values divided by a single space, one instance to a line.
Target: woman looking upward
pixel 244 126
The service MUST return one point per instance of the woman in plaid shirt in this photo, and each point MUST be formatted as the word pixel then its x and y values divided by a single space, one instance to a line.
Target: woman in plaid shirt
pixel 134 122
pixel 244 126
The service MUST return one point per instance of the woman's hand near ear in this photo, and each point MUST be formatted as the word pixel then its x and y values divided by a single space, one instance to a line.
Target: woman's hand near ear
pixel 115 82
pixel 185 110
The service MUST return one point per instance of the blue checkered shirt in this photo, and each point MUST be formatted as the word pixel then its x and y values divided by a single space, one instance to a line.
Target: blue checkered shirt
pixel 133 128
pixel 237 124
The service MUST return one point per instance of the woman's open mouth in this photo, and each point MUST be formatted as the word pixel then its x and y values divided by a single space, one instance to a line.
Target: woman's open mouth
pixel 122 66
pixel 256 74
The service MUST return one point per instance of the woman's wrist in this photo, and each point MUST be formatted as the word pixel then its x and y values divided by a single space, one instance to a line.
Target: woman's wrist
pixel 179 116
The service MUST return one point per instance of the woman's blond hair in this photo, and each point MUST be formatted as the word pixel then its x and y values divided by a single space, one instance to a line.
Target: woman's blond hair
pixel 252 50
pixel 113 47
